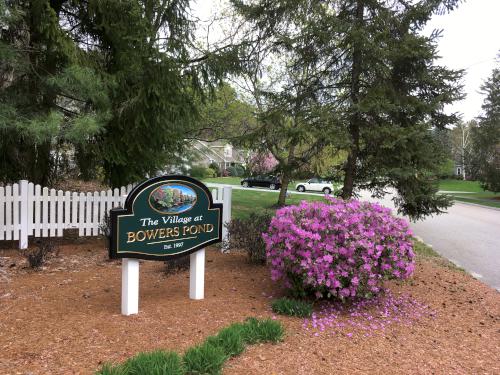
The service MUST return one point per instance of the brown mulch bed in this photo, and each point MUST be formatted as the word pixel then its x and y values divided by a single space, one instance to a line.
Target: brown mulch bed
pixel 65 319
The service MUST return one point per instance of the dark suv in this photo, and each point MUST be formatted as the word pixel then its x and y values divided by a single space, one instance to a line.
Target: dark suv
pixel 271 182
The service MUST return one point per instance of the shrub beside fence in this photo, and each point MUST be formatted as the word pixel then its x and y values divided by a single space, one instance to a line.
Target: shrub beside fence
pixel 30 210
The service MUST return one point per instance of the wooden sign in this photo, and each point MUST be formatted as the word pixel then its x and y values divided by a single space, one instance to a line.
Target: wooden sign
pixel 165 217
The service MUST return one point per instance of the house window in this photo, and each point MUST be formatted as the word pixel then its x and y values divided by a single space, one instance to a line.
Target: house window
pixel 459 171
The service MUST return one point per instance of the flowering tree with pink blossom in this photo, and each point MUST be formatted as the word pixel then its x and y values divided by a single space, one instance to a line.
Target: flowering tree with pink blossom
pixel 263 163
pixel 341 249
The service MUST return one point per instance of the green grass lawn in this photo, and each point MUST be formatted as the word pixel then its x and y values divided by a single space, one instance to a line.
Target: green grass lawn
pixel 474 192
pixel 245 202
pixel 224 180
pixel 460 185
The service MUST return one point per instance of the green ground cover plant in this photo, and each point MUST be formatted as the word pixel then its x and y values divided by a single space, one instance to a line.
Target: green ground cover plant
pixel 292 307
pixel 206 358
pixel 230 339
pixel 267 330
pixel 158 362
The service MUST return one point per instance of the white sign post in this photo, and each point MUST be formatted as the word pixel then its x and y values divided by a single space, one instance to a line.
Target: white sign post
pixel 130 282
pixel 197 275
pixel 130 286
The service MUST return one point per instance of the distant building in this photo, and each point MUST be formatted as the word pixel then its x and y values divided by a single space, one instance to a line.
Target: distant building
pixel 219 152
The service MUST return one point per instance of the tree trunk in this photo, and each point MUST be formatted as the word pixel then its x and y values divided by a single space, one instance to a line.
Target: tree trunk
pixel 463 152
pixel 350 173
pixel 284 186
pixel 352 158
pixel 287 173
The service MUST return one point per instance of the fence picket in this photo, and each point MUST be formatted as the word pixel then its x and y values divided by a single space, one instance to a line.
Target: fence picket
pixel 45 210
pixel 15 211
pixel 52 212
pixel 88 214
pixel 116 197
pixel 67 210
pixel 95 214
pixel 102 207
pixel 8 212
pixel 109 201
pixel 60 219
pixel 31 203
pixel 81 214
pixel 2 212
pixel 74 210
pixel 122 193
pixel 37 199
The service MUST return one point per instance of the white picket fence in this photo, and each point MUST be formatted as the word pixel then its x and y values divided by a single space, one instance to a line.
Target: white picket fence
pixel 30 210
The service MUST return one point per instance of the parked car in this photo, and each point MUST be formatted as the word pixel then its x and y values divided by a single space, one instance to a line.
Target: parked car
pixel 271 182
pixel 315 184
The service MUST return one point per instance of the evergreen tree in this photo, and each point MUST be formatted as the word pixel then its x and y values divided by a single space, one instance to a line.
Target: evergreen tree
pixel 377 75
pixel 144 53
pixel 47 97
pixel 486 137
pixel 117 80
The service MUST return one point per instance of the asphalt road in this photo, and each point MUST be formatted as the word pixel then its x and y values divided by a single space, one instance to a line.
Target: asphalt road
pixel 468 235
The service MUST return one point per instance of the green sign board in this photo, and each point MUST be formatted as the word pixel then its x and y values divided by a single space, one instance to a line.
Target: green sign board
pixel 165 217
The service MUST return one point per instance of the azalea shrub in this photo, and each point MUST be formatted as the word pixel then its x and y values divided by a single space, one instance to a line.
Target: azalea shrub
pixel 336 248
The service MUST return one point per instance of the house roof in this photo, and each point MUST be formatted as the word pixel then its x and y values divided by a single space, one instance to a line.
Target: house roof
pixel 215 150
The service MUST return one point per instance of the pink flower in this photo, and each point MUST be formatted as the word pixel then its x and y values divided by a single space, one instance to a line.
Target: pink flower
pixel 339 248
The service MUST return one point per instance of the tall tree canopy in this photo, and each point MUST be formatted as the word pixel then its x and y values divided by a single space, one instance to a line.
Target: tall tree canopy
pixel 486 136
pixel 46 95
pixel 376 74
pixel 119 79
pixel 293 121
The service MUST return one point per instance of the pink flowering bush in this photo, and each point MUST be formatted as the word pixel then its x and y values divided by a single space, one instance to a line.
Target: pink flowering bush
pixel 338 248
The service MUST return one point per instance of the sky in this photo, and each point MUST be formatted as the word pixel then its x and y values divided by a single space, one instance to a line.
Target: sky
pixel 470 41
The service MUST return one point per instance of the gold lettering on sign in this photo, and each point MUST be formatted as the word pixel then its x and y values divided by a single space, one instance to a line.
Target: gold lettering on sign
pixel 159 233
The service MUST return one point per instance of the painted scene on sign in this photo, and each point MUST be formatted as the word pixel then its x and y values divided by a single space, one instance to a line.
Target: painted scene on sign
pixel 172 198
